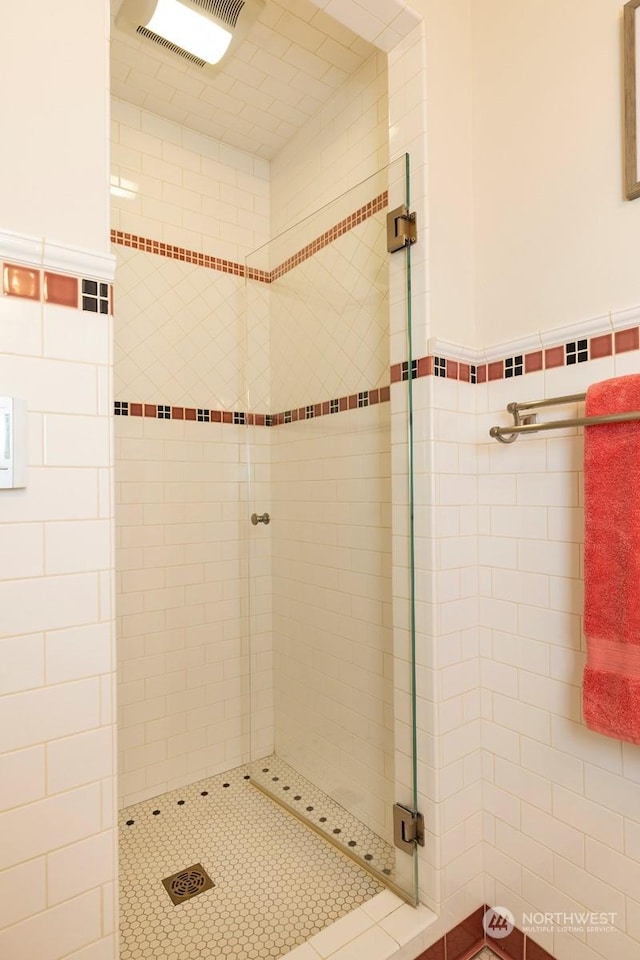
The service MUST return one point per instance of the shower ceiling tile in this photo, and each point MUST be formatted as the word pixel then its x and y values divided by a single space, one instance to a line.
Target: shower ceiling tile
pixel 293 50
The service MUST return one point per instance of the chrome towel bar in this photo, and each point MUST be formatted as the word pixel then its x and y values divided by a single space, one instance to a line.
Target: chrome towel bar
pixel 529 424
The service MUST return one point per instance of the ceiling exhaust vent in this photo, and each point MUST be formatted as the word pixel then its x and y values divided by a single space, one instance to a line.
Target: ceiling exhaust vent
pixel 200 31
pixel 226 10
pixel 191 57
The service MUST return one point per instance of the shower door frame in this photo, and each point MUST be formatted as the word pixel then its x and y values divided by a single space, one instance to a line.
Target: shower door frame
pixel 403 547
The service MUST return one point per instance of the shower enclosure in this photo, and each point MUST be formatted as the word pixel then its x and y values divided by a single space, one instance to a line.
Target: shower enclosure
pixel 273 655
pixel 330 541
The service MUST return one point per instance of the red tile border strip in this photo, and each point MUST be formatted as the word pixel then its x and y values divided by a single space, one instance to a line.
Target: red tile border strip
pixel 533 361
pixel 495 370
pixel 594 348
pixel 554 357
pixel 466 939
pixel 122 239
pixel 60 289
pixel 20 281
pixel 434 952
pixel 626 340
pixel 600 346
pixel 159 411
pixel 169 250
pixel 535 952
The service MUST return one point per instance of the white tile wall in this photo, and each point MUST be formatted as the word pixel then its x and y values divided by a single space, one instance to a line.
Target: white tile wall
pixel 181 508
pixel 561 803
pixel 345 142
pixel 451 866
pixel 57 860
pixel 171 184
pixel 182 590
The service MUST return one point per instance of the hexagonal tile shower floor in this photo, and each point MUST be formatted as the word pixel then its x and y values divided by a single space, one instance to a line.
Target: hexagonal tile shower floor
pixel 275 882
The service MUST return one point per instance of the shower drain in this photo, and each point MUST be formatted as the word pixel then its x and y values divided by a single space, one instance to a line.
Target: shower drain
pixel 187 883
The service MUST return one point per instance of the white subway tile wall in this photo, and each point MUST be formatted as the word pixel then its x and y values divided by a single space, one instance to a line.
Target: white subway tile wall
pixel 185 189
pixel 561 805
pixel 56 636
pixel 182 601
pixel 449 719
pixel 344 143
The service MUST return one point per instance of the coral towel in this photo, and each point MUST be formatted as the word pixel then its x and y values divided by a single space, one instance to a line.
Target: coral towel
pixel 611 688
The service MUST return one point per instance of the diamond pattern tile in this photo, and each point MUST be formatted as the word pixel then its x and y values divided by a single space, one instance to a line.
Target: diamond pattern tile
pixel 177 336
pixel 276 882
pixel 329 320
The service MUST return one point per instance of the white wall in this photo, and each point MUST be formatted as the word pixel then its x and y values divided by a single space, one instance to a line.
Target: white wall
pixel 54 60
pixel 555 241
pixel 450 170
pixel 57 764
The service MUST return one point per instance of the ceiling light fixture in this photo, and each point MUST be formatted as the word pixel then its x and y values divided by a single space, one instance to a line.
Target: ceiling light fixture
pixel 201 31
pixel 190 30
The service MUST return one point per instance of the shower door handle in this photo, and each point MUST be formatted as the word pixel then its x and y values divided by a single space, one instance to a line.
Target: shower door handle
pixel 257 518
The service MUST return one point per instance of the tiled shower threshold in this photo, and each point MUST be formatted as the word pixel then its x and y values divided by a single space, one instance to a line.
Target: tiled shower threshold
pixel 278 888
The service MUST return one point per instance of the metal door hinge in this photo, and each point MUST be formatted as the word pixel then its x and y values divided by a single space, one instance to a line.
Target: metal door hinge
pixel 408 828
pixel 402 229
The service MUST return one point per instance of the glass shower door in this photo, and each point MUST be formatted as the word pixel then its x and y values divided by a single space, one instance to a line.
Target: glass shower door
pixel 332 678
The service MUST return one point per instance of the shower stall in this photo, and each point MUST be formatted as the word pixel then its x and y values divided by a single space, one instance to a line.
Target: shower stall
pixel 266 537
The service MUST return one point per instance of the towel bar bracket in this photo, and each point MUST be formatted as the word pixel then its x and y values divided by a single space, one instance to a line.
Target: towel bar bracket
pixel 501 433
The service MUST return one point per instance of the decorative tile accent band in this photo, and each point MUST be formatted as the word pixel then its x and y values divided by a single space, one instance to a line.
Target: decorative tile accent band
pixel 563 355
pixel 165 411
pixel 567 354
pixel 122 239
pixel 187 256
pixel 81 293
